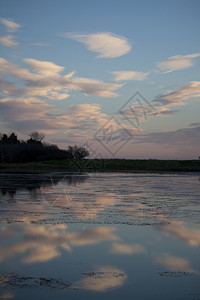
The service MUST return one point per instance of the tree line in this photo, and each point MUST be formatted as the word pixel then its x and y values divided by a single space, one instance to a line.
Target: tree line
pixel 13 150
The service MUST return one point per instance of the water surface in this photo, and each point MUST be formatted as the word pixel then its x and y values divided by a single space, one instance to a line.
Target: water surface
pixel 102 235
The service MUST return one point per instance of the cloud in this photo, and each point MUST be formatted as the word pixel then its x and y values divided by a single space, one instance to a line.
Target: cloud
pixel 178 62
pixel 177 96
pixel 137 113
pixel 8 41
pixel 129 75
pixel 194 124
pixel 107 44
pixel 45 68
pixel 47 82
pixel 17 72
pixel 23 109
pixel 10 89
pixel 10 25
pixel 26 113
pixel 119 248
pixel 175 263
pixel 102 279
pixel 94 87
pixel 183 136
pixel 178 230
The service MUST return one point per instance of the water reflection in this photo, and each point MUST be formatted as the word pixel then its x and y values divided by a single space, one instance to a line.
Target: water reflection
pixel 102 279
pixel 7 295
pixel 31 244
pixel 81 233
pixel 175 263
pixel 180 231
pixel 44 242
pixel 32 197
pixel 103 198
pixel 126 249
pixel 10 184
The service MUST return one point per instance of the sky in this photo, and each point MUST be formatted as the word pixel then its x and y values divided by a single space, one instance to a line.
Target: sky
pixel 121 78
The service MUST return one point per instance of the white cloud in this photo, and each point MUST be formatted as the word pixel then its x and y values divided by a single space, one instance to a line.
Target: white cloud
pixel 107 44
pixel 177 96
pixel 8 41
pixel 129 75
pixel 94 87
pixel 9 24
pixel 14 70
pixel 45 68
pixel 47 82
pixel 26 113
pixel 23 109
pixel 177 62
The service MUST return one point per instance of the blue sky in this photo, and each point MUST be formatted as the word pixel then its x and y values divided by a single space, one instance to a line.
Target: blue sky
pixel 69 67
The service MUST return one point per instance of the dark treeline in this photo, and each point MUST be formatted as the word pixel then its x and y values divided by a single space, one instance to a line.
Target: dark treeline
pixel 13 150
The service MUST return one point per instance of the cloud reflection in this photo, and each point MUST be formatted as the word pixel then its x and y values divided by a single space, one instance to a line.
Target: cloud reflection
pixel 178 230
pixel 7 295
pixel 43 243
pixel 102 280
pixel 119 248
pixel 175 263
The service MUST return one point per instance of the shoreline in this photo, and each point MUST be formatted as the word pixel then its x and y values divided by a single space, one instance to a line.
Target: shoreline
pixel 103 165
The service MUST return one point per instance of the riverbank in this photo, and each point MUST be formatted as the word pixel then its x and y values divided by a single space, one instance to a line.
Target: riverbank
pixel 101 165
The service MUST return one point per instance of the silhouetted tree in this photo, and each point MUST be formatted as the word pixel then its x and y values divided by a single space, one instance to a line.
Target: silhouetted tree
pixel 4 139
pixel 12 139
pixel 36 137
pixel 12 150
pixel 76 152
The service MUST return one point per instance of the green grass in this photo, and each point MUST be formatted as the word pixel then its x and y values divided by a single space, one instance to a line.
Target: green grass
pixel 103 165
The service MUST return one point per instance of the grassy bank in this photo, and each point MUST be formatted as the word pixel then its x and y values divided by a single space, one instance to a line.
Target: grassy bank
pixel 103 165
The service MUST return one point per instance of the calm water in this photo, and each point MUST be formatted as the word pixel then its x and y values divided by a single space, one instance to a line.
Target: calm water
pixel 102 236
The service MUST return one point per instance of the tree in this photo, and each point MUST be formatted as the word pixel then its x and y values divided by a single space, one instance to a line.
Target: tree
pixel 13 139
pixel 7 149
pixel 4 139
pixel 13 151
pixel 75 152
pixel 37 136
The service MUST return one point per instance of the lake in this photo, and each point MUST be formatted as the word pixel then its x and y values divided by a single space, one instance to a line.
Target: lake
pixel 100 235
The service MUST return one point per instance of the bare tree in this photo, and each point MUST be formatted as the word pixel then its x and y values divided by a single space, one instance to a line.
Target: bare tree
pixel 37 136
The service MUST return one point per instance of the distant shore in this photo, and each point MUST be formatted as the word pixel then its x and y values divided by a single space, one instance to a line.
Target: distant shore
pixel 103 165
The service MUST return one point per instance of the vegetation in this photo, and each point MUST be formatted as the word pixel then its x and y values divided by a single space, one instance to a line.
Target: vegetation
pixel 13 150
pixel 101 165
pixel 35 156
